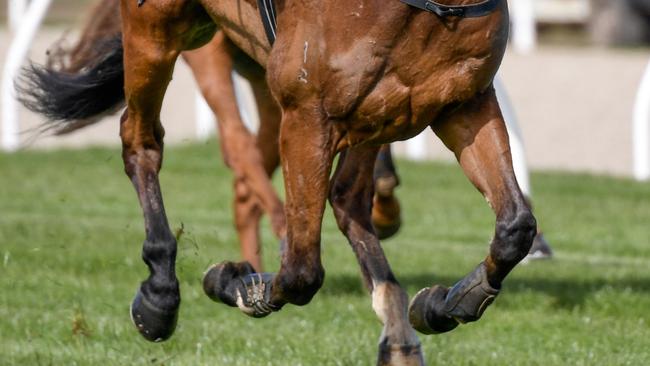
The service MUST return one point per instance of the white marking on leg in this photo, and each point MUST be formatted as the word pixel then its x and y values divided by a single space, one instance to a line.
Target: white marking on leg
pixel 379 300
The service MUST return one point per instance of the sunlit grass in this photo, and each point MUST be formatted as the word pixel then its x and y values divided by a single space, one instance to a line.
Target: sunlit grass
pixel 70 241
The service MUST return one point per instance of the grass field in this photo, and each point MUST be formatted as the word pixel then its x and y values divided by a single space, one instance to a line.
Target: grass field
pixel 71 229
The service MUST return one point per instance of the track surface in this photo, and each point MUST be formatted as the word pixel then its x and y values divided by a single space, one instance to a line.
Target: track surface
pixel 70 234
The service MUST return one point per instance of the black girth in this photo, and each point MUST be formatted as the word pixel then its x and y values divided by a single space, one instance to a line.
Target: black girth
pixel 483 8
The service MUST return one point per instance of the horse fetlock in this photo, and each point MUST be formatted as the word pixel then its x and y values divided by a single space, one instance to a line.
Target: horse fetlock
pixel 514 237
pixel 300 285
pixel 468 299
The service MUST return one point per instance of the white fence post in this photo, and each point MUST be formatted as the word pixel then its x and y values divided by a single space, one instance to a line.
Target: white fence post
pixel 15 12
pixel 524 32
pixel 24 35
pixel 641 129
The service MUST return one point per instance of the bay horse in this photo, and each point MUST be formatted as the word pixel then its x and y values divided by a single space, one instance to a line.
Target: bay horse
pixel 348 77
pixel 253 159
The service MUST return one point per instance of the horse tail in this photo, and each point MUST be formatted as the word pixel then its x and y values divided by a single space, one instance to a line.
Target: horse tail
pixel 80 85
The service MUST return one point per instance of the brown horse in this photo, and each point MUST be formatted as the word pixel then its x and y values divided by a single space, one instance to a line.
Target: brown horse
pixel 253 159
pixel 348 76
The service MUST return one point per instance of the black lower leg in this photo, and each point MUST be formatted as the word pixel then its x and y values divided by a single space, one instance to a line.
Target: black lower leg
pixel 155 307
pixel 351 196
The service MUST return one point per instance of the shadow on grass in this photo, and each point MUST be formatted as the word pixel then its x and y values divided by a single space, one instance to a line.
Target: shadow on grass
pixel 567 293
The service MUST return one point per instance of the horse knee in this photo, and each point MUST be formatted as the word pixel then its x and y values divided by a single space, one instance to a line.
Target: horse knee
pixel 514 236
pixel 300 284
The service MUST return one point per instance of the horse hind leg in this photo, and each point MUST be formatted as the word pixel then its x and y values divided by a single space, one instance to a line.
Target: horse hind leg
pixel 351 196
pixel 476 133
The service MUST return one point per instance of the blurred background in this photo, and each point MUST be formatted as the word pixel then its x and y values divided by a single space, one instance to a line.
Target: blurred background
pixel 572 73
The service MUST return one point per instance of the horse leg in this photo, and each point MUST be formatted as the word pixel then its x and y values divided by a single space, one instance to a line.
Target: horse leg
pixel 306 168
pixel 476 134
pixel 385 209
pixel 154 310
pixel 212 66
pixel 351 196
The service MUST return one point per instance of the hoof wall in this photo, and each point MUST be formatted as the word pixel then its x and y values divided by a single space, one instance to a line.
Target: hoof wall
pixel 219 281
pixel 426 313
pixel 154 324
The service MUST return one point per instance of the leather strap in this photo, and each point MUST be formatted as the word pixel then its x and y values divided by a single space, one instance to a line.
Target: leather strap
pixel 481 9
pixel 267 12
pixel 485 7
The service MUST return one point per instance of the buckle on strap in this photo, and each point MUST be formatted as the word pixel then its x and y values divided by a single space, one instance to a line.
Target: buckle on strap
pixel 444 11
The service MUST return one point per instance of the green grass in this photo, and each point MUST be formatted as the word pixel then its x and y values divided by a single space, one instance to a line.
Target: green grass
pixel 71 233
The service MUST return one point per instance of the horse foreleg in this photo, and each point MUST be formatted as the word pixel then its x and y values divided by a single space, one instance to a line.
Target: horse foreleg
pixel 477 135
pixel 386 213
pixel 351 196
pixel 148 67
pixel 307 147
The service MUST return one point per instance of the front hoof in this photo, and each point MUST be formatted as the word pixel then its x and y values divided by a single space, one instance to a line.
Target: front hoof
pixel 219 281
pixel 153 323
pixel 426 311
pixel 237 284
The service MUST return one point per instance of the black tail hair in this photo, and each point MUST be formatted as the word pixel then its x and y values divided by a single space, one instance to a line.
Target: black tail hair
pixel 71 100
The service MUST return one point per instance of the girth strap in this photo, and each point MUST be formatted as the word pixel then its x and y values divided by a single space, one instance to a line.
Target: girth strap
pixel 485 7
pixel 481 9
pixel 267 12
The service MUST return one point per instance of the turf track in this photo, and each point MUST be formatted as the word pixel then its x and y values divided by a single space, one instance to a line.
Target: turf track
pixel 70 234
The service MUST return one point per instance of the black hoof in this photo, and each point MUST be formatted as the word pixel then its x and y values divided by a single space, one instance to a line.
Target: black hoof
pixel 427 314
pixel 219 281
pixel 237 285
pixel 153 323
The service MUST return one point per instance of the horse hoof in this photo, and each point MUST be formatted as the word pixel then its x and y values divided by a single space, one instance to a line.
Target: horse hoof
pixel 426 311
pixel 237 285
pixel 219 281
pixel 403 355
pixel 386 231
pixel 386 215
pixel 153 323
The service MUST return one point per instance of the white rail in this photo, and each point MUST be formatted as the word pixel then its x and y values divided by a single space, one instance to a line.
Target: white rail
pixel 24 35
pixel 524 31
pixel 641 129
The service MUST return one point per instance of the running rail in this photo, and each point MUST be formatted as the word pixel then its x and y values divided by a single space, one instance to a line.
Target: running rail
pixel 524 32
pixel 641 129
pixel 25 30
